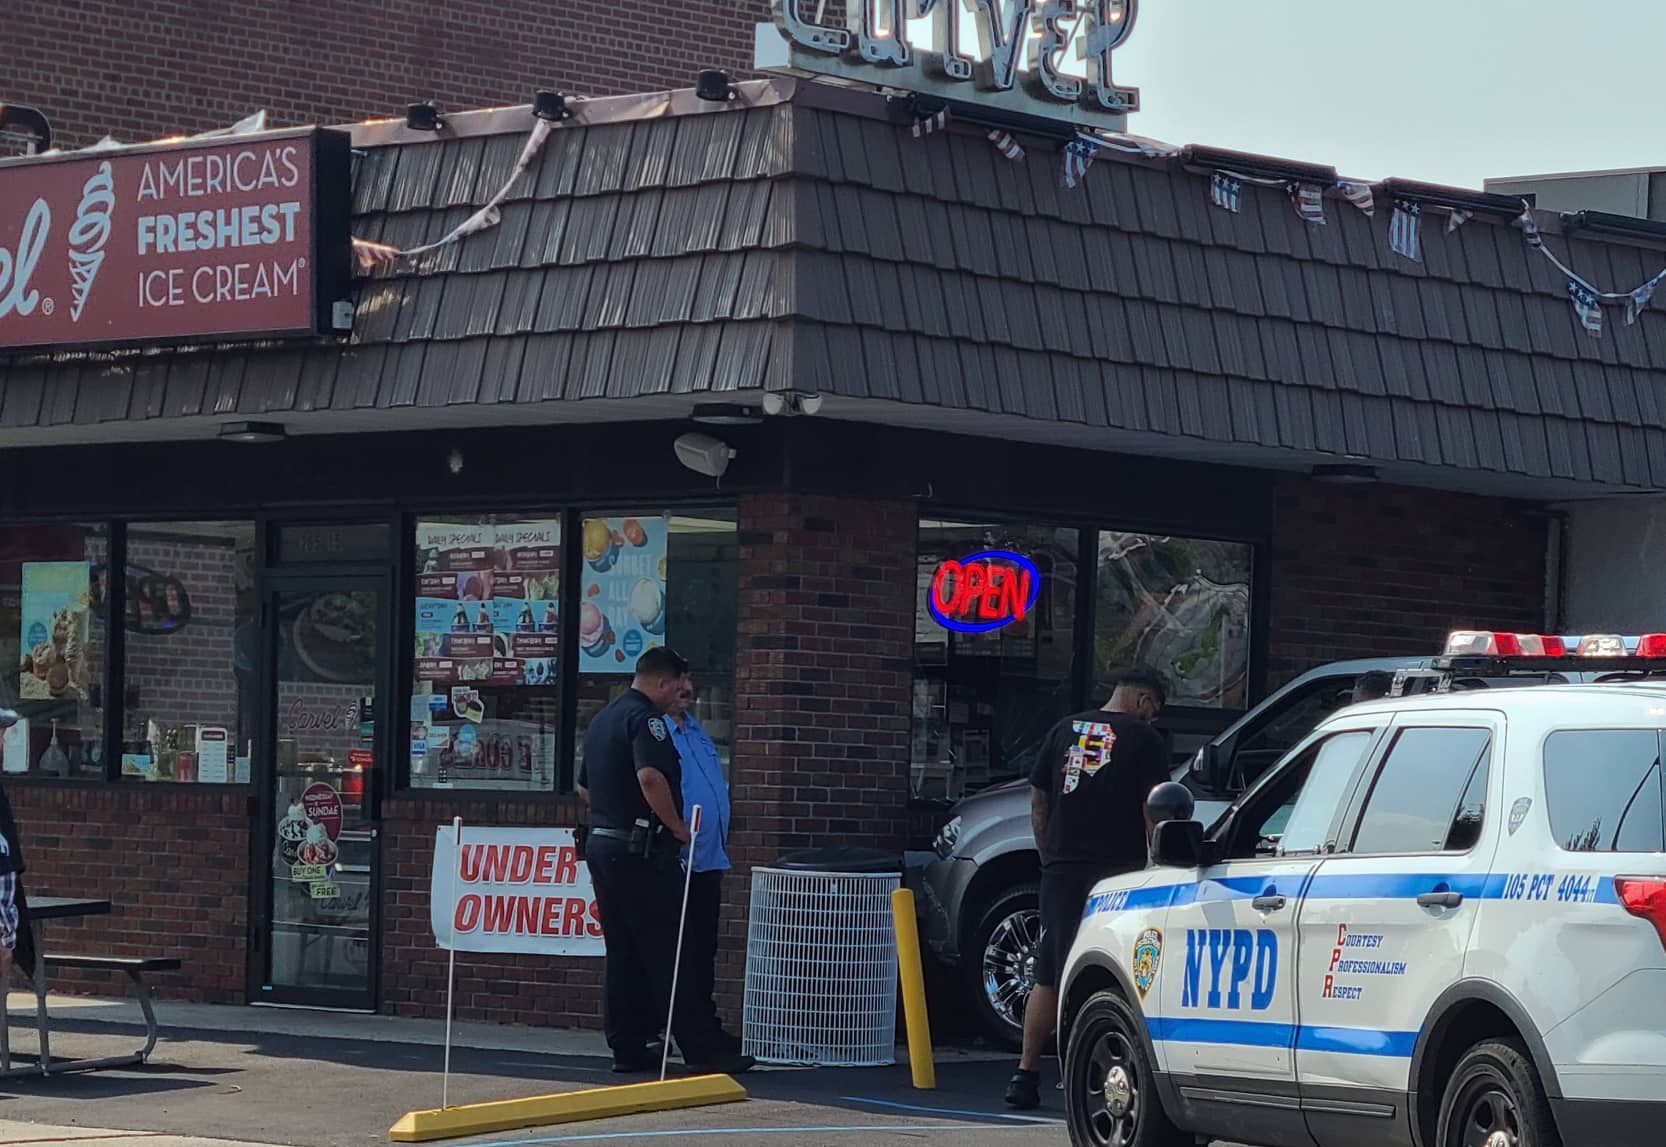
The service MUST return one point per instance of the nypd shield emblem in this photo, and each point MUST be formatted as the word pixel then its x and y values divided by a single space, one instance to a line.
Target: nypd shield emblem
pixel 657 728
pixel 1148 957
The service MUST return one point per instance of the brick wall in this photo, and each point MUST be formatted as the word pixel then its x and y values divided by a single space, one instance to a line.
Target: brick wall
pixel 173 861
pixel 1380 571
pixel 143 71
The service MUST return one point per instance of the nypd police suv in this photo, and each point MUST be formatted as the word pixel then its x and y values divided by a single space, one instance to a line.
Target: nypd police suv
pixel 1440 920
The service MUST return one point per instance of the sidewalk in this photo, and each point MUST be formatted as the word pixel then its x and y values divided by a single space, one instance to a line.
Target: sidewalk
pixel 14 1134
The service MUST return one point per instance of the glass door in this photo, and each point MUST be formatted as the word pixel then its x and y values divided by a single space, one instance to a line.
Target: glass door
pixel 316 867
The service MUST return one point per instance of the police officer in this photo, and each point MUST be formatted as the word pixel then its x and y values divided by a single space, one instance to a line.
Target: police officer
pixel 633 780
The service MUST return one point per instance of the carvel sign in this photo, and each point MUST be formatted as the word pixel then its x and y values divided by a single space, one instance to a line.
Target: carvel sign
pixel 983 592
pixel 217 239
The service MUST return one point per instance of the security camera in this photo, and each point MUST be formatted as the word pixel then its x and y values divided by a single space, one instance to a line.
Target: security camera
pixel 790 402
pixel 809 403
pixel 704 454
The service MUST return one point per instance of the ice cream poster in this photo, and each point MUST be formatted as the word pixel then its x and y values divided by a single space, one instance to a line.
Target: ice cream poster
pixel 487 609
pixel 54 631
pixel 622 600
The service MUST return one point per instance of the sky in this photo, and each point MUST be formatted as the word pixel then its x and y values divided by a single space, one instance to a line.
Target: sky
pixel 1447 93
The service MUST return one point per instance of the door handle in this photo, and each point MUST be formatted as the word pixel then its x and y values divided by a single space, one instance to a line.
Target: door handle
pixel 1270 903
pixel 1440 899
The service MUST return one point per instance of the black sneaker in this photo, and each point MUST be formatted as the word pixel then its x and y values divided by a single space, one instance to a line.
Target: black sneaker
pixel 722 1063
pixel 634 1061
pixel 1024 1090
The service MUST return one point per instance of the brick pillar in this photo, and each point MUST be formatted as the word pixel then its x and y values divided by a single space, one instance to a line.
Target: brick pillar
pixel 823 679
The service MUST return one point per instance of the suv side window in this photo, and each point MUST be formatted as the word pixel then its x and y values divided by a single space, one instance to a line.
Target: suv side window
pixel 1299 715
pixel 1603 790
pixel 1294 810
pixel 1428 793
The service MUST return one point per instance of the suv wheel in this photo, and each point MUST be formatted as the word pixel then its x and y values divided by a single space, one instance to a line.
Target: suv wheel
pixel 999 959
pixel 1495 1099
pixel 1110 1090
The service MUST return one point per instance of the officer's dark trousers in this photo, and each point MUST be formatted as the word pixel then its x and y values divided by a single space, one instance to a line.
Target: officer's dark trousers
pixel 705 906
pixel 639 900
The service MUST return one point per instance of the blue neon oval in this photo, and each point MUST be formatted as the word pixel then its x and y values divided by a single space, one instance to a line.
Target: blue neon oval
pixel 983 626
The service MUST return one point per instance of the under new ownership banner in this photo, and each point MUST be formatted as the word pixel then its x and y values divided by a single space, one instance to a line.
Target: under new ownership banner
pixel 523 890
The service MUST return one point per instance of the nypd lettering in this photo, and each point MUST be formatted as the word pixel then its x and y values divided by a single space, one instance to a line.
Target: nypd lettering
pixel 1238 966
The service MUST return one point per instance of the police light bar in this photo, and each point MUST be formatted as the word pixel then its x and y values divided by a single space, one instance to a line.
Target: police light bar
pixel 1485 643
pixel 1489 643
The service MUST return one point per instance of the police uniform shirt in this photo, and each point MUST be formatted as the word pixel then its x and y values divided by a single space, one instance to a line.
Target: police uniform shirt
pixel 628 734
pixel 1099 767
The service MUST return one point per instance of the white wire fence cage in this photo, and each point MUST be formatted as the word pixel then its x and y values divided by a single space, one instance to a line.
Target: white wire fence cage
pixel 821 969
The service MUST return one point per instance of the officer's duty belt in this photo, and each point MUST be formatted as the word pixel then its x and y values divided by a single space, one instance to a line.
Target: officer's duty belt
pixel 612 833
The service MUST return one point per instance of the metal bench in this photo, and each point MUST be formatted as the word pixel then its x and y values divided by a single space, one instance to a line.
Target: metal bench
pixel 134 968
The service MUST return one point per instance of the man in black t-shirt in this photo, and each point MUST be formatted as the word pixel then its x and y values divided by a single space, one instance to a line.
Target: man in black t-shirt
pixel 1087 806
pixel 632 780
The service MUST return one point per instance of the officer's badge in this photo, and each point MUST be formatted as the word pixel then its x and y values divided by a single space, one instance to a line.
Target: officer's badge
pixel 657 728
pixel 1148 957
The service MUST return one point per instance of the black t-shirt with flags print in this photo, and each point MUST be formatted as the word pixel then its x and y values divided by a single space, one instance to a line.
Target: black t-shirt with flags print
pixel 1100 766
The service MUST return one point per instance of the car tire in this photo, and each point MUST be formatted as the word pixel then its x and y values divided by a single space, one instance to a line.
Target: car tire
pixel 1110 1084
pixel 1495 1087
pixel 1001 948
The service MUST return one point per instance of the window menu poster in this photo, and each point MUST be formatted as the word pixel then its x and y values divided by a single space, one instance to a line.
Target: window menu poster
pixel 487 607
pixel 622 595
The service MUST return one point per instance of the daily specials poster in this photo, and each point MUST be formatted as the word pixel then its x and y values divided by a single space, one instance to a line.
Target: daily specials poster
pixel 486 609
pixel 622 601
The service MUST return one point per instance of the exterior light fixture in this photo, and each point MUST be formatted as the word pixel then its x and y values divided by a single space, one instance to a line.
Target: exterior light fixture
pixel 791 402
pixel 550 105
pixel 712 85
pixel 1345 473
pixel 423 117
pixel 726 414
pixel 252 432
pixel 22 118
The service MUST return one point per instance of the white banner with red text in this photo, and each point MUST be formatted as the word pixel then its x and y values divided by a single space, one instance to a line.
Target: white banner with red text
pixel 520 890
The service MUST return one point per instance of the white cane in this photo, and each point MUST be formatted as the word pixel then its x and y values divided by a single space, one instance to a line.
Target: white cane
pixel 451 965
pixel 682 921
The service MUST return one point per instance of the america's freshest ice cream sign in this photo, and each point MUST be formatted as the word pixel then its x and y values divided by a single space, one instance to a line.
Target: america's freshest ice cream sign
pixel 215 239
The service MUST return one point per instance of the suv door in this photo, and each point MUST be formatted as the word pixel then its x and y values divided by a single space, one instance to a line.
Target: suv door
pixel 1227 987
pixel 1386 920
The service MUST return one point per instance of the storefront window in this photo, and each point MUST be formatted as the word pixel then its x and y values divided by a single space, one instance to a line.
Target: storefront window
pixel 657 578
pixel 994 641
pixel 189 654
pixel 1180 606
pixel 485 702
pixel 52 649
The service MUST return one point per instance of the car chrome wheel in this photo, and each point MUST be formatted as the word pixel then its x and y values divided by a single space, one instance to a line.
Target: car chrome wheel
pixel 1112 1091
pixel 1009 964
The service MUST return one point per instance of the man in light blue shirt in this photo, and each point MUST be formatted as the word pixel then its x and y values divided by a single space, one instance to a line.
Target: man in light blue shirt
pixel 703 785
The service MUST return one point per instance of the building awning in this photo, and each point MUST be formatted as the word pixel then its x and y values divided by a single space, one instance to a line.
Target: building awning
pixel 662 250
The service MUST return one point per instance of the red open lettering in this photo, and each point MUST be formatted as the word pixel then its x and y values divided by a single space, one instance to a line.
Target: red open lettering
pixel 983 592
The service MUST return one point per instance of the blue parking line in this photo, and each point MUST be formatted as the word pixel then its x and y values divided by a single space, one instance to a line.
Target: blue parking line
pixel 948 1110
pixel 599 1136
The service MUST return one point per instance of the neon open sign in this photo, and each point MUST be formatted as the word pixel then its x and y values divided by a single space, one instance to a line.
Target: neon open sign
pixel 983 592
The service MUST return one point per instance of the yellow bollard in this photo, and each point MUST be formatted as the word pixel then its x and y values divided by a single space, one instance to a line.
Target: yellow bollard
pixel 913 990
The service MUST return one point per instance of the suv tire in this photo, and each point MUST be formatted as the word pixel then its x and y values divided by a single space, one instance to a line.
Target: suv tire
pixel 1495 1087
pixel 998 960
pixel 1110 1087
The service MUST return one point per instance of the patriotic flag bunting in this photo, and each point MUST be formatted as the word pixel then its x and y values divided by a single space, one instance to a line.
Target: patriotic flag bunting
pixel 372 255
pixel 1078 157
pixel 1457 219
pixel 1359 194
pixel 1309 201
pixel 1225 190
pixel 1403 230
pixel 1006 145
pixel 1639 298
pixel 1586 306
pixel 925 125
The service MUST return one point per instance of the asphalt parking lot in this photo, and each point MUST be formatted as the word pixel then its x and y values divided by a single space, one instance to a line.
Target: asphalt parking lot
pixel 302 1091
